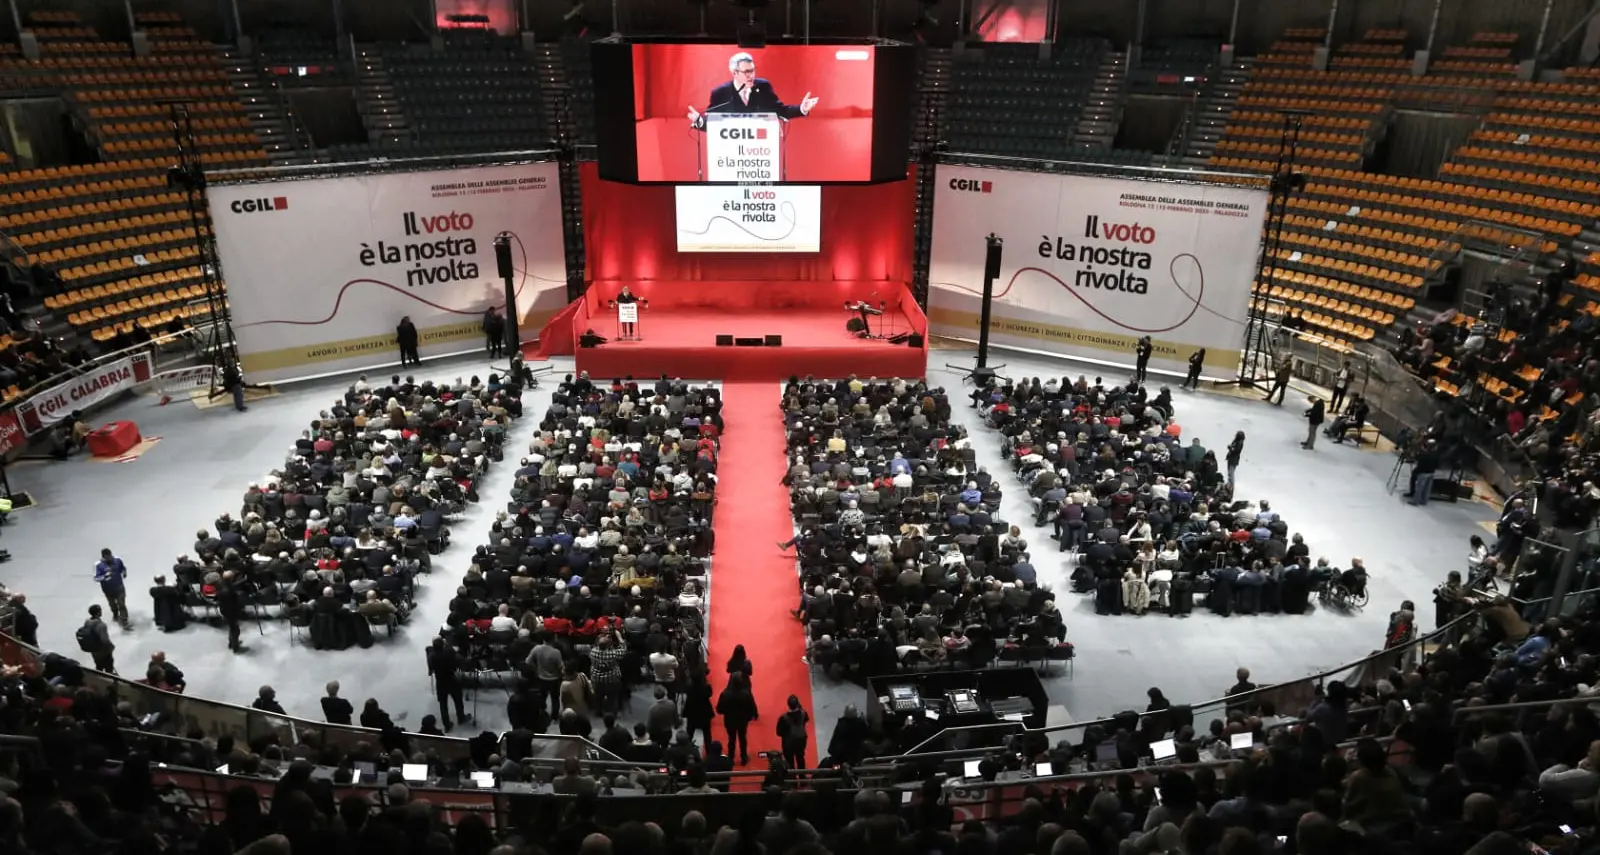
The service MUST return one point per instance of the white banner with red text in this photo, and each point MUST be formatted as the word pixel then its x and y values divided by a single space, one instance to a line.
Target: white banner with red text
pixel 1090 264
pixel 52 405
pixel 320 272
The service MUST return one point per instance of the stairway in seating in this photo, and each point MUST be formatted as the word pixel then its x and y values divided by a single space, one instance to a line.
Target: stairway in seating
pixel 1097 127
pixel 933 92
pixel 556 92
pixel 263 104
pixel 380 108
pixel 1216 105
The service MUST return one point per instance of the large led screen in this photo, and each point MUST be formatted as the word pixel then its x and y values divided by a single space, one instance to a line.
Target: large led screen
pixel 721 114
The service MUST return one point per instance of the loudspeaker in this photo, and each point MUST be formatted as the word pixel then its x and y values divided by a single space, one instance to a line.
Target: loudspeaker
pixel 749 341
pixel 724 341
pixel 915 340
pixel 774 341
pixel 502 257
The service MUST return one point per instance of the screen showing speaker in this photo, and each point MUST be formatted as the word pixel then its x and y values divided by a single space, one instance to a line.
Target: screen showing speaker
pixel 718 113
pixel 761 218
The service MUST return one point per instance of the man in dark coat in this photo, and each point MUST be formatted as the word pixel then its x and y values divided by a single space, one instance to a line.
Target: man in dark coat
pixel 406 336
pixel 230 604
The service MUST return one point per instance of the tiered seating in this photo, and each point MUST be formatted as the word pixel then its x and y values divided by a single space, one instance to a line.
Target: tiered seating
pixel 112 232
pixel 576 59
pixel 1009 102
pixel 483 99
pixel 1529 169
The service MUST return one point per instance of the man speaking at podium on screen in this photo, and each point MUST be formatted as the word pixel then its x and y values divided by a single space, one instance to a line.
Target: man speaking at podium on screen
pixel 747 93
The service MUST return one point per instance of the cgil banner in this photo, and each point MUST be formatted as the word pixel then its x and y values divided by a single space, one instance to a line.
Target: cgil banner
pixel 320 272
pixel 46 408
pixel 766 218
pixel 1090 264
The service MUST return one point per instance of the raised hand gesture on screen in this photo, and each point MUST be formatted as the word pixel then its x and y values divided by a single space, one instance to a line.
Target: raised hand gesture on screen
pixel 694 116
pixel 807 103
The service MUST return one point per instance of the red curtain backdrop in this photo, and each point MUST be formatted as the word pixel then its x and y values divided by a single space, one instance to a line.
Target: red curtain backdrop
pixel 630 235
pixel 832 143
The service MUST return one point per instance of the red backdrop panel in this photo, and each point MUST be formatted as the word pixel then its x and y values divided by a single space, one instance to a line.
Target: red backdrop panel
pixel 630 234
pixel 832 143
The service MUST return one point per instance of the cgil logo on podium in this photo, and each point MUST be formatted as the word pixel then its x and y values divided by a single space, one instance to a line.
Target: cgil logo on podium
pixel 743 133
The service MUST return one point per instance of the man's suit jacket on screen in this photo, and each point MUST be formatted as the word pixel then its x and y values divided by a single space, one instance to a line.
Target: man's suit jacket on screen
pixel 763 99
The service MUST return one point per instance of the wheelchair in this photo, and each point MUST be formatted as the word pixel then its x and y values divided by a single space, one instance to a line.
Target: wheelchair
pixel 1344 591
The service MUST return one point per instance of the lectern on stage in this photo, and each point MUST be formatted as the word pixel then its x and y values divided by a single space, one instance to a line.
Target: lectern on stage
pixel 745 148
pixel 628 318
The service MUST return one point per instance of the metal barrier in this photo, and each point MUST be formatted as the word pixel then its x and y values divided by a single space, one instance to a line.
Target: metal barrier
pixel 1285 697
pixel 164 352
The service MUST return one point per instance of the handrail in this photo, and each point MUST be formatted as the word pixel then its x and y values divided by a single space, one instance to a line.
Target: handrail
pixel 1465 712
pixel 101 360
pixel 1227 700
pixel 15 652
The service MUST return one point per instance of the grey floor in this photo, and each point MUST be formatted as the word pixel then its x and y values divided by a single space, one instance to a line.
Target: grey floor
pixel 1335 496
pixel 147 511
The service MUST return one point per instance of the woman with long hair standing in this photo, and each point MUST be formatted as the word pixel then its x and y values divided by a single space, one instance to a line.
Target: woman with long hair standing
pixel 1235 451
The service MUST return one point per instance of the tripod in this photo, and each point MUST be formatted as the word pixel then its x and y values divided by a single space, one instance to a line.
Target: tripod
pixel 1394 477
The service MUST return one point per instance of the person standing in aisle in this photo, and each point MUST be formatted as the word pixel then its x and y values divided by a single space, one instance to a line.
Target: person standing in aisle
pixel 95 640
pixel 112 575
pixel 230 605
pixel 445 668
pixel 792 734
pixel 738 708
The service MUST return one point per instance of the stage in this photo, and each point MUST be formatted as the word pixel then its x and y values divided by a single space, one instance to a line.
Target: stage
pixel 680 325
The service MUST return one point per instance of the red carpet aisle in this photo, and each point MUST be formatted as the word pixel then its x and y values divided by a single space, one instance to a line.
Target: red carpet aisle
pixel 753 585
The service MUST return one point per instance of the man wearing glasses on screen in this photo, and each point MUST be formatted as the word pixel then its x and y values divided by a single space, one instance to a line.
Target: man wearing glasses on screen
pixel 747 93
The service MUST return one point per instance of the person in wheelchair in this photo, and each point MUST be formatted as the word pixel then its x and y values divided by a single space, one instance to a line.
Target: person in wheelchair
pixel 1354 580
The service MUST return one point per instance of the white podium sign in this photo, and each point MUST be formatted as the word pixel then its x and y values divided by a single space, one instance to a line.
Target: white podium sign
pixel 744 147
pixel 628 313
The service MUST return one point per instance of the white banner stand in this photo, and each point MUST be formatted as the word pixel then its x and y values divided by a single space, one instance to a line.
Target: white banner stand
pixel 744 148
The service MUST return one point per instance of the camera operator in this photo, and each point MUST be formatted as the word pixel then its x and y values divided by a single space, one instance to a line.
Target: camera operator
pixel 1423 470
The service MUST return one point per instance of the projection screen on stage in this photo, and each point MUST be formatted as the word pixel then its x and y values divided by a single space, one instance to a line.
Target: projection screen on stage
pixel 320 271
pixel 1090 264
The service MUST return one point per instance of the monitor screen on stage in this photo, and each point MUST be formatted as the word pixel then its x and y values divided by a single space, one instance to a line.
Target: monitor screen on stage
pixel 769 218
pixel 721 114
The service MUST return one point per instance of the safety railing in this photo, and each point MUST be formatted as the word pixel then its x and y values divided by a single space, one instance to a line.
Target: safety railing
pixel 161 353
pixel 1287 698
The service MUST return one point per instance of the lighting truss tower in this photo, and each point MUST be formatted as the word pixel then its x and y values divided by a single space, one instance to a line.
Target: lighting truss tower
pixel 1285 183
pixel 187 176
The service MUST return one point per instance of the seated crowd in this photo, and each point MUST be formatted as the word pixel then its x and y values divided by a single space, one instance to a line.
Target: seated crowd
pixel 1152 522
pixel 360 504
pixel 592 583
pixel 903 561
pixel 1404 762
